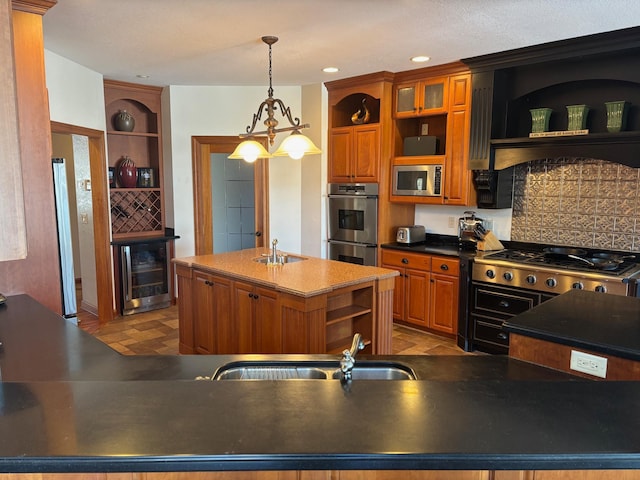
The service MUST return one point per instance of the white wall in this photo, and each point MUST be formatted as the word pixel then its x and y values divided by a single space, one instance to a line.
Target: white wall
pixel 314 173
pixel 207 110
pixel 76 93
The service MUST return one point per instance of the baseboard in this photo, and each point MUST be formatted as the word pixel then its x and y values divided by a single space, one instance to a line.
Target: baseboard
pixel 92 309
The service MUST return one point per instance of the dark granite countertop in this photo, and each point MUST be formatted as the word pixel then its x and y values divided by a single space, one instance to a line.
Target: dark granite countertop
pixel 609 324
pixel 73 404
pixel 434 244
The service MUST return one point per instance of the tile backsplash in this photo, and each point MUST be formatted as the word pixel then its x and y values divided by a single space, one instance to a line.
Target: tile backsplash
pixel 577 202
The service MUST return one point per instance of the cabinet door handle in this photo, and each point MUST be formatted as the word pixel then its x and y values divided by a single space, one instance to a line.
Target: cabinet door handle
pixel 251 295
pixel 444 267
pixel 255 297
pixel 258 234
pixel 504 303
pixel 502 336
pixel 405 260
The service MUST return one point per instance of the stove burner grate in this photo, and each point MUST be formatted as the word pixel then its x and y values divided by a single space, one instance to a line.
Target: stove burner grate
pixel 527 258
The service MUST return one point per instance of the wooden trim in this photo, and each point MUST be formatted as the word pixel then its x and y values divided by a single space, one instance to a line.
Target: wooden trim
pixel 39 7
pixel 201 148
pixel 101 217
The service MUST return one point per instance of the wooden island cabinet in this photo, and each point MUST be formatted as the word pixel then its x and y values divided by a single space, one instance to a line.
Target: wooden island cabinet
pixel 229 303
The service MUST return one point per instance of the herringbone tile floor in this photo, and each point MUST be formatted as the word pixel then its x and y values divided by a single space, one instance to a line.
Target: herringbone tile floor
pixel 156 332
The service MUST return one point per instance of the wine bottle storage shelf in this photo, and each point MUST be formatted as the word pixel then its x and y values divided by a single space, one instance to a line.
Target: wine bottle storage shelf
pixel 135 211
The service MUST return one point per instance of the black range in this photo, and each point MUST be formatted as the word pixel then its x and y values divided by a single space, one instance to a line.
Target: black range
pixel 516 279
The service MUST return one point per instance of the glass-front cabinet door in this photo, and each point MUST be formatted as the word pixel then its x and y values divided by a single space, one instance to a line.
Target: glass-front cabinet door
pixel 425 97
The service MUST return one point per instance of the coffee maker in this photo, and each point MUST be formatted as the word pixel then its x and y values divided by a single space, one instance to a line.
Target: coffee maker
pixel 468 225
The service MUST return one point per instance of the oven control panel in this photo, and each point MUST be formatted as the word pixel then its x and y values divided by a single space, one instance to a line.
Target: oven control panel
pixel 546 280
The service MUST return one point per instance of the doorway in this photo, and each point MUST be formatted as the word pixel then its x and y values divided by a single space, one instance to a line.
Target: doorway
pixel 203 148
pixel 98 187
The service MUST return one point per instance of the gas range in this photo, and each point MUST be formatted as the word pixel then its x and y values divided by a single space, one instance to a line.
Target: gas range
pixel 533 269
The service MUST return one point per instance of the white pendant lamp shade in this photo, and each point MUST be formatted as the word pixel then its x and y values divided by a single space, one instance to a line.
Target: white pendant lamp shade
pixel 296 146
pixel 250 151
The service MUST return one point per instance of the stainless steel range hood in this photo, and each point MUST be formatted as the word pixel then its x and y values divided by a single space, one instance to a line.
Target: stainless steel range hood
pixel 587 70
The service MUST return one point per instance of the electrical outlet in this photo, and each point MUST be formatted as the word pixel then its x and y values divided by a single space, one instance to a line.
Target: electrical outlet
pixel 452 222
pixel 587 363
pixel 425 129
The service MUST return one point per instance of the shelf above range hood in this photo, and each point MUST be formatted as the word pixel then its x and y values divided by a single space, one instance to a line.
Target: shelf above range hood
pixel 587 70
pixel 623 147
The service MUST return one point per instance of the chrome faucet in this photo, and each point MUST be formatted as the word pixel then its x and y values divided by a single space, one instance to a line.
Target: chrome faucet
pixel 273 258
pixel 349 357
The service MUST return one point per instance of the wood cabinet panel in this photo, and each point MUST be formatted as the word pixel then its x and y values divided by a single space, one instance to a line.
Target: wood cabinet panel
pixel 340 152
pixel 427 290
pixel 443 315
pixel 268 326
pixel 354 154
pixel 413 475
pixel 211 305
pixel 243 307
pixel 558 357
pixel 366 159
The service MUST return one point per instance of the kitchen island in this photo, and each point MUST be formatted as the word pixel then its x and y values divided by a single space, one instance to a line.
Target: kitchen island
pixel 71 404
pixel 237 303
pixel 604 327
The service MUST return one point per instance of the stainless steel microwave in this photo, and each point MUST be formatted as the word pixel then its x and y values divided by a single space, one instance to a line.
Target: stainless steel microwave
pixel 417 180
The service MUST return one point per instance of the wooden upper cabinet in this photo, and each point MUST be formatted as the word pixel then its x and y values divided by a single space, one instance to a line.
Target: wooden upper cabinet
pixel 442 109
pixel 419 98
pixel 355 154
pixel 458 189
pixel 359 114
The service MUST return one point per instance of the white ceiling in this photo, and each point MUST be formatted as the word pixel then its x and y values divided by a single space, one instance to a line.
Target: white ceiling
pixel 217 42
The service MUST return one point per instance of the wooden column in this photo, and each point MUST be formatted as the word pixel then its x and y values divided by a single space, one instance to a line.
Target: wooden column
pixel 39 273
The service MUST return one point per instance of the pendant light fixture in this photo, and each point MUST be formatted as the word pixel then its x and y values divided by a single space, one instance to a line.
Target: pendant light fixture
pixel 295 145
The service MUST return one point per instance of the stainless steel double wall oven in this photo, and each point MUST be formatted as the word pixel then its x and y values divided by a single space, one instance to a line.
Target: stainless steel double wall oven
pixel 353 222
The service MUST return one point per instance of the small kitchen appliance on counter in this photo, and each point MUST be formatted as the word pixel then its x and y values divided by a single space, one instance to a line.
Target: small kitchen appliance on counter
pixel 468 226
pixel 412 234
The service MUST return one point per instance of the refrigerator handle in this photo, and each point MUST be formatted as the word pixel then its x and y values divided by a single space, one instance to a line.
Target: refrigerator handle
pixel 126 269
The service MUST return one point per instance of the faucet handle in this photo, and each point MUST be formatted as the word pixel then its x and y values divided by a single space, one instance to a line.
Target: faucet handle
pixel 274 242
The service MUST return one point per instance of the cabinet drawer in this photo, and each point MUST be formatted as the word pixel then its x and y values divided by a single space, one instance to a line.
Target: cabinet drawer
pixel 487 331
pixel 503 302
pixel 446 265
pixel 406 260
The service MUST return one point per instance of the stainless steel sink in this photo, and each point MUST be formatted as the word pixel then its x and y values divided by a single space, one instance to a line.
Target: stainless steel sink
pixel 378 373
pixel 285 259
pixel 311 370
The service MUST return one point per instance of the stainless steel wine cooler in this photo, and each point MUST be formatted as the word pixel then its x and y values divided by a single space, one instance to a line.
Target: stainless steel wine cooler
pixel 144 277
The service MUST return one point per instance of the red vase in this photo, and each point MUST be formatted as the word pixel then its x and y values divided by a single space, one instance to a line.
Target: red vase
pixel 127 173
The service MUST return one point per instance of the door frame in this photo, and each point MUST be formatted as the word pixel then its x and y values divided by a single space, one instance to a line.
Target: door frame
pixel 201 149
pixel 101 216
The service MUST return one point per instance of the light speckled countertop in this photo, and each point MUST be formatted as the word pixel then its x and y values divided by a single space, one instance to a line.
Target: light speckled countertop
pixel 307 278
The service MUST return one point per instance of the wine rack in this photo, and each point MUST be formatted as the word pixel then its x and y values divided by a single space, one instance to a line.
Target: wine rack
pixel 136 211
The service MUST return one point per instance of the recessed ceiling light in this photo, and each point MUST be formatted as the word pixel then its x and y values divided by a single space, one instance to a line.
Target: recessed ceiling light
pixel 420 59
pixel 143 76
pixel 330 70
